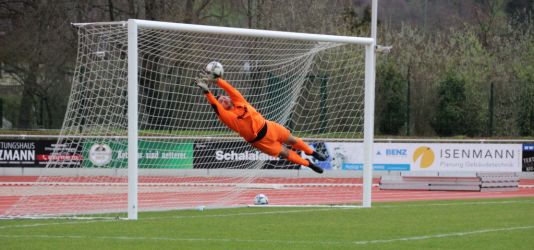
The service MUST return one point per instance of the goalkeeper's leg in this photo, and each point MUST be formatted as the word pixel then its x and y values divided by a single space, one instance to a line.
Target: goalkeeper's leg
pixel 292 156
pixel 284 136
pixel 275 148
pixel 271 144
pixel 299 144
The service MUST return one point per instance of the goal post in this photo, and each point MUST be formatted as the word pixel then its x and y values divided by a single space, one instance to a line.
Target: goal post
pixel 139 135
pixel 132 120
pixel 370 59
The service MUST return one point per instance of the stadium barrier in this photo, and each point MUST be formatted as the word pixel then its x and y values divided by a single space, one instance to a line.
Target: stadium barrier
pixel 498 182
pixel 451 181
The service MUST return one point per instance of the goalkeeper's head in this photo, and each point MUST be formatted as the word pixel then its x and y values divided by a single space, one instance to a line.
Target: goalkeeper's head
pixel 225 101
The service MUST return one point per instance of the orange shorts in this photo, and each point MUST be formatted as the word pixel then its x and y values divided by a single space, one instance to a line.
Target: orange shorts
pixel 276 135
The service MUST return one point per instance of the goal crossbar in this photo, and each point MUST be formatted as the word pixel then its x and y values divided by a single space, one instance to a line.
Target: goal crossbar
pixel 240 31
pixel 250 32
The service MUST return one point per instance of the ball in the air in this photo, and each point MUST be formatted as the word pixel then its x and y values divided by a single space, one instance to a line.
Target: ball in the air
pixel 215 69
pixel 261 199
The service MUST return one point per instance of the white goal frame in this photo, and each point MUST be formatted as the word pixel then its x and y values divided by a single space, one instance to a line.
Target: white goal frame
pixel 133 60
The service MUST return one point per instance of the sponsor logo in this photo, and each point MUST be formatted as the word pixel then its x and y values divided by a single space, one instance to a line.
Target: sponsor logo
pixel 123 155
pixel 244 156
pixel 396 152
pixel 100 154
pixel 449 153
pixel 17 155
pixel 528 157
pixel 58 157
pixel 425 156
pixel 17 151
pixel 17 145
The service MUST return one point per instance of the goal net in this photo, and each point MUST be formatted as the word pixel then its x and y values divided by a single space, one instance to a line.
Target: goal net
pixel 312 84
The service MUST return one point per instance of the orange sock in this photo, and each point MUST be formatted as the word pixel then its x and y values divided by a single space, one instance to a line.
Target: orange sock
pixel 295 158
pixel 301 145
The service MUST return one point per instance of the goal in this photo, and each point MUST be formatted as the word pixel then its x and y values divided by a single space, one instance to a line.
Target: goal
pixel 138 135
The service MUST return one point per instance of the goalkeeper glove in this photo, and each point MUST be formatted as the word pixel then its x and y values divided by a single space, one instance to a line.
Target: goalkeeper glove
pixel 202 85
pixel 209 77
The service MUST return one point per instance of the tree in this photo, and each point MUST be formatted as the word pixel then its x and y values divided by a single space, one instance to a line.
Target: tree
pixel 521 11
pixel 35 53
pixel 391 99
pixel 526 111
pixel 353 23
pixel 450 118
pixel 488 15
pixel 524 71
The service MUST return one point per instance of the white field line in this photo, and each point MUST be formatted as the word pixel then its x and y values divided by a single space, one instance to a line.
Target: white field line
pixel 337 209
pixel 307 242
pixel 52 224
pixel 445 235
pixel 179 184
pixel 46 183
pixel 481 203
pixel 171 217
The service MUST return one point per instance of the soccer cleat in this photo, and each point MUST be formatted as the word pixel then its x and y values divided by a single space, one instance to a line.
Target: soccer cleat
pixel 315 168
pixel 319 156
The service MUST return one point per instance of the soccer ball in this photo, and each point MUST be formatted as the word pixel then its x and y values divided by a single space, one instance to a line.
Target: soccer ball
pixel 261 199
pixel 215 69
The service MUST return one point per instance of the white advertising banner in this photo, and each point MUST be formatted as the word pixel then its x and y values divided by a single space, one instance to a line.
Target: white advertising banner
pixel 466 157
pixel 470 157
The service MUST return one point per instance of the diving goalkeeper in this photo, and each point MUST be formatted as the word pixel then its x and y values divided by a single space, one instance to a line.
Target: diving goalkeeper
pixel 236 113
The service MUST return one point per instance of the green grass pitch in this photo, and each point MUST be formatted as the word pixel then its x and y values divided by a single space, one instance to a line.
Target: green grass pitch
pixel 465 224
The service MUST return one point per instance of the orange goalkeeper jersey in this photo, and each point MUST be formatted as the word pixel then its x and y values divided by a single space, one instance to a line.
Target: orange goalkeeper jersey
pixel 243 118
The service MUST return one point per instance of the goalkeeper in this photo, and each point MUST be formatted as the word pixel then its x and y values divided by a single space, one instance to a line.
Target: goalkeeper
pixel 267 136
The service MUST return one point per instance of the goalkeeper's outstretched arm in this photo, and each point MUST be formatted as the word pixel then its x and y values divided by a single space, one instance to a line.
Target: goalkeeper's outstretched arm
pixel 226 116
pixel 213 73
pixel 234 94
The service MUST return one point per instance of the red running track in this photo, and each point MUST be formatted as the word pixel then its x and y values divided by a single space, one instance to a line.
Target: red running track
pixel 66 195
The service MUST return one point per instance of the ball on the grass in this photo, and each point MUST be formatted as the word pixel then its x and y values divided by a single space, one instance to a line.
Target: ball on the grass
pixel 261 199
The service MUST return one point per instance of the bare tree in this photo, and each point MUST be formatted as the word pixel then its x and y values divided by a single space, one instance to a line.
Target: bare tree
pixel 35 54
pixel 487 15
